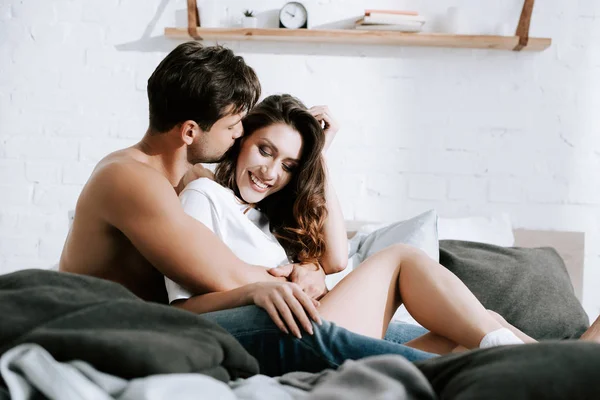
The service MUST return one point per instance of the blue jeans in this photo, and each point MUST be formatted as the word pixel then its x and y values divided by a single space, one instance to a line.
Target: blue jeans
pixel 278 353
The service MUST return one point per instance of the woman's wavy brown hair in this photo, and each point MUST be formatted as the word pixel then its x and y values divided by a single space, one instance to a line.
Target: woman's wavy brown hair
pixel 298 211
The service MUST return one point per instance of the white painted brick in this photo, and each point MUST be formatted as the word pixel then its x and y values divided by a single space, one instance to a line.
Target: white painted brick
pixel 8 221
pixel 75 126
pixel 547 190
pixel 77 173
pixel 15 195
pixel 99 11
pixel 42 172
pixel 427 187
pixel 348 186
pixel 41 148
pixel 506 190
pixel 51 247
pixel 23 246
pixel 49 34
pixel 584 193
pixel 93 150
pixel 36 223
pixel 33 11
pixel 14 264
pixel 57 57
pixel 468 188
pixel 375 159
pixel 90 34
pixel 129 128
pixel 12 171
pixel 386 185
pixel 56 196
pixel 68 10
pixel 5 12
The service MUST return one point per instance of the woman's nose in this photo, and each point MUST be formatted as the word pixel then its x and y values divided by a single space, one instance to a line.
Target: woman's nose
pixel 268 172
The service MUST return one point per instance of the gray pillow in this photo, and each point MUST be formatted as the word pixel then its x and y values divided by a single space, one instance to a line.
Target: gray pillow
pixel 541 371
pixel 530 288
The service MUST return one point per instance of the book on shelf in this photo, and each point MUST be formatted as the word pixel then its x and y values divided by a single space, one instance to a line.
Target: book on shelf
pixel 380 19
pixel 387 20
pixel 409 28
pixel 394 12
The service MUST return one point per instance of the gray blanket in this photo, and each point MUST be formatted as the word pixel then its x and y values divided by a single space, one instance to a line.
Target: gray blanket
pixel 102 323
pixel 31 372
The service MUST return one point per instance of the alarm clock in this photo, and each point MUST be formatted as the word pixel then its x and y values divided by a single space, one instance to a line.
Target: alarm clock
pixel 293 15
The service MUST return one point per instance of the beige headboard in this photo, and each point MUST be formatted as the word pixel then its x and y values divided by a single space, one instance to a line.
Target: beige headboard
pixel 569 245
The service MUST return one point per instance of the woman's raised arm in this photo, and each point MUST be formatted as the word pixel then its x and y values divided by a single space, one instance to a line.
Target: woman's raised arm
pixel 335 257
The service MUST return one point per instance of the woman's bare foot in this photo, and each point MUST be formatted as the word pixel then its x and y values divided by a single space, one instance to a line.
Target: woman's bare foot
pixel 593 333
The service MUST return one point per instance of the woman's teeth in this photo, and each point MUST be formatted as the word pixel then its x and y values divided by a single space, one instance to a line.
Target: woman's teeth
pixel 258 183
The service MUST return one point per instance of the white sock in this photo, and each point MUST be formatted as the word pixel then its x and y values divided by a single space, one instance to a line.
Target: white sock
pixel 499 337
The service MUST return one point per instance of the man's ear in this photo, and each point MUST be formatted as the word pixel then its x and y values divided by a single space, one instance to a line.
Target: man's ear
pixel 190 130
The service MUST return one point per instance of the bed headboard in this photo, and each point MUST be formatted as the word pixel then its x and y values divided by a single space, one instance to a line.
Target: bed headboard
pixel 569 245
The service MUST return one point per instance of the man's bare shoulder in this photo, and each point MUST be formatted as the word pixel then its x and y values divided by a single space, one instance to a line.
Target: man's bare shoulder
pixel 121 180
pixel 122 170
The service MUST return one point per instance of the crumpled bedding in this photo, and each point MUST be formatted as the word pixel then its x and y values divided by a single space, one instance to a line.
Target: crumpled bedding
pixel 29 371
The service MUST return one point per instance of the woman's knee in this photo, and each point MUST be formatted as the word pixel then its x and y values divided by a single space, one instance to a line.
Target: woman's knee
pixel 409 253
pixel 496 316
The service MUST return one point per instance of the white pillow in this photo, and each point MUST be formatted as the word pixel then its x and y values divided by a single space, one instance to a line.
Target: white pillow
pixel 420 232
pixel 496 230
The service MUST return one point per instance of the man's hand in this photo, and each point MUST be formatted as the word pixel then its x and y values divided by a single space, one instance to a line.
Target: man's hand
pixel 310 277
pixel 329 123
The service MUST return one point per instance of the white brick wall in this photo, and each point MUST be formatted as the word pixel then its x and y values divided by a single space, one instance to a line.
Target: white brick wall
pixel 468 132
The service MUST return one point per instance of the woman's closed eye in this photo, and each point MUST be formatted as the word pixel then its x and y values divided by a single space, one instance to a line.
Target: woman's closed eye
pixel 263 151
pixel 288 168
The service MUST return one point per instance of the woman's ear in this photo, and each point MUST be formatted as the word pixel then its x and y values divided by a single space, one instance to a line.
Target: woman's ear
pixel 190 131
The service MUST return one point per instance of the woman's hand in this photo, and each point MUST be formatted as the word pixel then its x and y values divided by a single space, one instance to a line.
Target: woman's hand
pixel 328 122
pixel 283 301
pixel 309 276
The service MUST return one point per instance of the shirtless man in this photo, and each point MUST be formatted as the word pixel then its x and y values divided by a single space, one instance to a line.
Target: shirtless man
pixel 130 228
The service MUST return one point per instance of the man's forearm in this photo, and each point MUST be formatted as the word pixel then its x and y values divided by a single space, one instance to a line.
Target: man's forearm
pixel 237 277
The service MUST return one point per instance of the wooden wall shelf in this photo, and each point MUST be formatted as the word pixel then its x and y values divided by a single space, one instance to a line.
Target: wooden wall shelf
pixel 359 37
pixel 520 41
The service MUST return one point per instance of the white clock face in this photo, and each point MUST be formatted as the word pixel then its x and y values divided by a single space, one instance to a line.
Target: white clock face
pixel 293 15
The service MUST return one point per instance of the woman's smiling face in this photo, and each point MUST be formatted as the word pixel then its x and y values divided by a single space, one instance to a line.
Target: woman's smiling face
pixel 266 162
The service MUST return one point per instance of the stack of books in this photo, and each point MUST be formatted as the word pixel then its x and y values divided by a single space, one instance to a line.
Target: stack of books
pixel 391 20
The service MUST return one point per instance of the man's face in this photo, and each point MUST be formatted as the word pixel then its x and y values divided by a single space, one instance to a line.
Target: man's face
pixel 210 146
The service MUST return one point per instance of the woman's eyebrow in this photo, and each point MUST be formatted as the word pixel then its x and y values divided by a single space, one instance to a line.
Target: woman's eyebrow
pixel 271 145
pixel 276 150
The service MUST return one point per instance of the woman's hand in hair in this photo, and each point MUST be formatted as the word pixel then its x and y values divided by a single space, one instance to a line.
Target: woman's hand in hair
pixel 328 123
pixel 286 303
pixel 309 276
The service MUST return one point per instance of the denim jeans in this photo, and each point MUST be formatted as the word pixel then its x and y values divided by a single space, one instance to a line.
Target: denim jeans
pixel 279 353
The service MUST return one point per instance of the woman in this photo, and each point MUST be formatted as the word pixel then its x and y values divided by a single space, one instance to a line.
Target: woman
pixel 272 204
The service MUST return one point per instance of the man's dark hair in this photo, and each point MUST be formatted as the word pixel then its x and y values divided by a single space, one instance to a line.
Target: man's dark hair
pixel 202 84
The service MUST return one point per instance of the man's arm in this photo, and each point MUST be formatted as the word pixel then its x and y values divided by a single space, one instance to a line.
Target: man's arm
pixel 144 206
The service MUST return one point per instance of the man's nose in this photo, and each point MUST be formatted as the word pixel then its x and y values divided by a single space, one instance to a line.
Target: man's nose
pixel 238 134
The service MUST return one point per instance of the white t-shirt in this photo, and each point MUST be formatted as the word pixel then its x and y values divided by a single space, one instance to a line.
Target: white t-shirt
pixel 247 235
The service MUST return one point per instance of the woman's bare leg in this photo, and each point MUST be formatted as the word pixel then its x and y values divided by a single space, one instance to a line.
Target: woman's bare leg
pixel 593 333
pixel 365 301
pixel 433 343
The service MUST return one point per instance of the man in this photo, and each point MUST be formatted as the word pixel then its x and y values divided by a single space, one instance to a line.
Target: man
pixel 130 228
